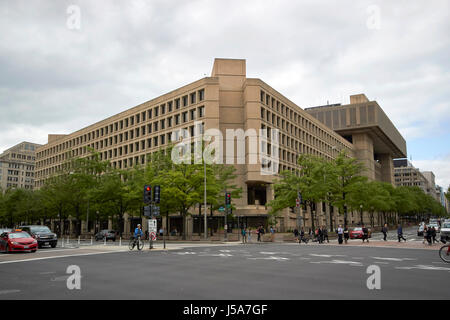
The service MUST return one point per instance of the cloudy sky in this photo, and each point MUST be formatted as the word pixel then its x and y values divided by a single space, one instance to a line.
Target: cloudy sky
pixel 67 64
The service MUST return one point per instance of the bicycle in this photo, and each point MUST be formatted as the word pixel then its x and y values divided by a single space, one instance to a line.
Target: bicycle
pixel 444 253
pixel 136 242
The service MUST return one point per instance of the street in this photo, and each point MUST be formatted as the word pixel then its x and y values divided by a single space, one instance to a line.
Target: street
pixel 229 271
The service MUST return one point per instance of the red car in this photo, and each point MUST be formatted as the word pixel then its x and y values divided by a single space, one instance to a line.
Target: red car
pixel 17 241
pixel 357 233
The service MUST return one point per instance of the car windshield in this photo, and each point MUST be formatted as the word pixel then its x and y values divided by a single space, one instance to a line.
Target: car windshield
pixel 446 225
pixel 357 229
pixel 40 229
pixel 16 235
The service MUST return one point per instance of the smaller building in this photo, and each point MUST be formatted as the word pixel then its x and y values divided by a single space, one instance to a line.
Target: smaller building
pixel 17 166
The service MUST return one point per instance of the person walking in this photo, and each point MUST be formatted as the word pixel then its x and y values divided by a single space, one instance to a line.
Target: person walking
pixel 244 235
pixel 249 238
pixel 272 234
pixel 425 234
pixel 258 232
pixel 319 234
pixel 384 230
pixel 346 235
pixel 400 233
pixel 325 234
pixel 365 233
pixel 296 234
pixel 433 234
pixel 340 233
pixel 302 236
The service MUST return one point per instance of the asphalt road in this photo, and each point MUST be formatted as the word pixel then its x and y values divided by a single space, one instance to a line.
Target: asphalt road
pixel 255 271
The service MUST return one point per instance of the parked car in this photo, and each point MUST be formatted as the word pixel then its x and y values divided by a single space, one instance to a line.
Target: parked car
pixel 17 241
pixel 5 230
pixel 445 231
pixel 109 234
pixel 356 233
pixel 43 235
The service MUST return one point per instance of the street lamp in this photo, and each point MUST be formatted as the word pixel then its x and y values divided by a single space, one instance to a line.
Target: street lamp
pixel 360 207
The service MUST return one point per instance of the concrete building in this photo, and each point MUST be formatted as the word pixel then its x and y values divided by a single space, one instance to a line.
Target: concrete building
pixel 406 174
pixel 17 166
pixel 431 184
pixel 375 140
pixel 229 100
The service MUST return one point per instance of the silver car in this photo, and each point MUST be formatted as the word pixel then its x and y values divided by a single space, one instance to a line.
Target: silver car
pixel 445 231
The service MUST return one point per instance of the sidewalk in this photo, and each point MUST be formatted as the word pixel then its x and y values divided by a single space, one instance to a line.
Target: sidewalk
pixel 385 244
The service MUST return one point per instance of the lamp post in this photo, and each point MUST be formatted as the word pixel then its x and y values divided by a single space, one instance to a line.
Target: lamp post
pixel 206 219
pixel 361 212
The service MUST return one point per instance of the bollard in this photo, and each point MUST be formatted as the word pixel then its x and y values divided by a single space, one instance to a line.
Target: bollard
pixel 91 241
pixel 62 242
pixel 78 240
pixel 68 239
pixel 120 241
pixel 104 241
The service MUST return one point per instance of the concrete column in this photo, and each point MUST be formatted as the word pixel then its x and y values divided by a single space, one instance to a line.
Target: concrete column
pixel 109 224
pixel 387 168
pixel 189 226
pixel 364 153
pixel 83 227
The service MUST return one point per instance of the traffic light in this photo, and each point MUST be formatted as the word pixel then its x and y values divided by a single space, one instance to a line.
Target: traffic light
pixel 157 194
pixel 228 199
pixel 147 194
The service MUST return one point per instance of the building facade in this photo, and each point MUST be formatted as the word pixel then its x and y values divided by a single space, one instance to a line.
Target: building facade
pixel 229 101
pixel 17 166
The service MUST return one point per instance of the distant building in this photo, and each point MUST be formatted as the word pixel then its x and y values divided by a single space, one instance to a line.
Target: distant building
pixel 17 166
pixel 431 184
pixel 405 174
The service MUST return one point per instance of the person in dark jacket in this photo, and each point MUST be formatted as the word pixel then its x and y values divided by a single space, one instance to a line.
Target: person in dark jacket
pixel 296 234
pixel 433 234
pixel 400 233
pixel 325 234
pixel 365 233
pixel 346 235
pixel 385 231
pixel 319 235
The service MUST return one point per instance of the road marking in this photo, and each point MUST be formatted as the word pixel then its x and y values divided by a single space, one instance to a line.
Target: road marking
pixel 424 267
pixel 271 258
pixel 216 255
pixel 326 255
pixel 64 256
pixel 394 259
pixel 351 263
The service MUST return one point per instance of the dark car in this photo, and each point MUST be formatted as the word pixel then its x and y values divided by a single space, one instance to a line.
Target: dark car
pixel 108 234
pixel 17 241
pixel 43 235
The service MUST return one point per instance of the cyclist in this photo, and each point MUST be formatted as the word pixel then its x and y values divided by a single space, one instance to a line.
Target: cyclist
pixel 138 232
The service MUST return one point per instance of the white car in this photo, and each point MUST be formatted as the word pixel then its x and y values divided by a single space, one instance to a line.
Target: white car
pixel 435 225
pixel 445 231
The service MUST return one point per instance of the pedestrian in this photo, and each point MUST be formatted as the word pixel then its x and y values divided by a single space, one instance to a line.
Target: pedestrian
pixel 384 230
pixel 302 236
pixel 365 233
pixel 340 233
pixel 272 234
pixel 262 232
pixel 296 234
pixel 433 234
pixel 249 235
pixel 425 234
pixel 346 235
pixel 161 232
pixel 320 234
pixel 244 235
pixel 429 236
pixel 258 232
pixel 325 234
pixel 400 233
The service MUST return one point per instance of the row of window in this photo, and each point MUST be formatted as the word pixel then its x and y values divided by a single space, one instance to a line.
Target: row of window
pixel 178 119
pixel 154 112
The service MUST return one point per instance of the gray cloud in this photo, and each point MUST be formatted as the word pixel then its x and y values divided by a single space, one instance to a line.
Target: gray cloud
pixel 54 79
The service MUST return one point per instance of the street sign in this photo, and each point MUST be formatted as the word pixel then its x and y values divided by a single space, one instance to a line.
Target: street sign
pixel 297 203
pixel 153 236
pixel 156 211
pixel 152 226
pixel 147 211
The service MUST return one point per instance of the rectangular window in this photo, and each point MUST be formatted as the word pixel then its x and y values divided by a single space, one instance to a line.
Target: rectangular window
pixel 185 101
pixel 193 98
pixel 201 112
pixel 201 95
